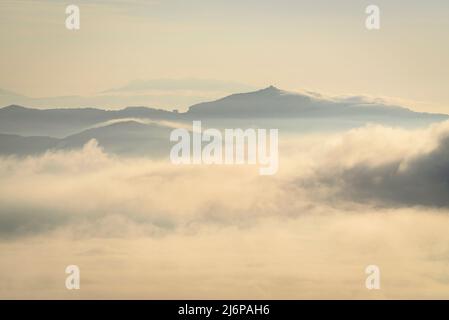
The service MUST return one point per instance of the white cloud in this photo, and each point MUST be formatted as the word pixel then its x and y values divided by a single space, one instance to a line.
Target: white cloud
pixel 221 232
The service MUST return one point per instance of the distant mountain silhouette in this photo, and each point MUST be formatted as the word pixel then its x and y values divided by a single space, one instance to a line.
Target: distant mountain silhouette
pixel 17 145
pixel 269 103
pixel 62 122
pixel 275 103
pixel 28 131
pixel 128 137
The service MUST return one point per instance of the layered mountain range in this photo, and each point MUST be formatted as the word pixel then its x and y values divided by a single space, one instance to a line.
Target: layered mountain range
pixel 143 130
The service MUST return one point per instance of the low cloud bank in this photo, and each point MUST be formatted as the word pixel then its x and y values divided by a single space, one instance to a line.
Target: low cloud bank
pixel 100 194
pixel 147 229
pixel 388 167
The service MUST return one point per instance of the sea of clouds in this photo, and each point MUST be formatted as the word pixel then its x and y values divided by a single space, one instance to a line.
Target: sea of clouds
pixel 140 228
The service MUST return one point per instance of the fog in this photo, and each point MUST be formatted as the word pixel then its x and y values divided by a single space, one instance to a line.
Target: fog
pixel 141 228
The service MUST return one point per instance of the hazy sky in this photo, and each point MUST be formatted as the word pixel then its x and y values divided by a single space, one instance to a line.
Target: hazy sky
pixel 317 45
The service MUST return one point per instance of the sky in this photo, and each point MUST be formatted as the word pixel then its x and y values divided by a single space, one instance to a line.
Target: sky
pixel 175 53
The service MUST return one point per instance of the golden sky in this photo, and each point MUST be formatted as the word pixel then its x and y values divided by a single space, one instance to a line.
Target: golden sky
pixel 320 45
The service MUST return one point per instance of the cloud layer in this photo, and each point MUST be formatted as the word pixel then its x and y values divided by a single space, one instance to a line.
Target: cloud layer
pixel 391 167
pixel 147 229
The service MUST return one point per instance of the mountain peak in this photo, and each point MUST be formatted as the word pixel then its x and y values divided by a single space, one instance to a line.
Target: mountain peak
pixel 15 107
pixel 271 89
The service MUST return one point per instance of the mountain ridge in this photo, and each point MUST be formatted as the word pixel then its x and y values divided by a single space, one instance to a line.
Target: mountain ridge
pixel 265 106
pixel 270 93
pixel 125 137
